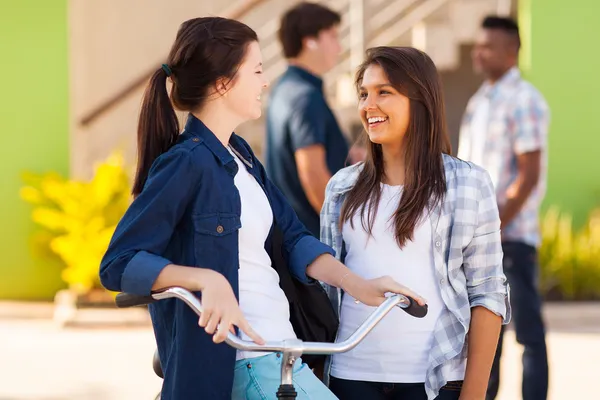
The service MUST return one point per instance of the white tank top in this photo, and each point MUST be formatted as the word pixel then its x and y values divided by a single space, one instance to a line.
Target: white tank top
pixel 396 350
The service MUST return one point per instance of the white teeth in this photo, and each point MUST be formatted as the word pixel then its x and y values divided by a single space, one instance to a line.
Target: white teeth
pixel 373 120
pixel 258 97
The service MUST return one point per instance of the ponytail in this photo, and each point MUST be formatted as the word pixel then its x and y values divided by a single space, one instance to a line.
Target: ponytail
pixel 196 61
pixel 158 127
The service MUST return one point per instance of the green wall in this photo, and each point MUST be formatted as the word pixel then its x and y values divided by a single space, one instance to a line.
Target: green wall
pixel 34 128
pixel 560 56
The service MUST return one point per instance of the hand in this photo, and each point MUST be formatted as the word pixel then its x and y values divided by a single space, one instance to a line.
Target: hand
pixel 221 309
pixel 372 292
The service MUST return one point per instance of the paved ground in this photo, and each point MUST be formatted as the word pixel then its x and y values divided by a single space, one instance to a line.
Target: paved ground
pixel 43 362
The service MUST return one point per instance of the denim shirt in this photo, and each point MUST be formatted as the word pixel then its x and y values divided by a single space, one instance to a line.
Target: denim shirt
pixel 189 214
pixel 467 258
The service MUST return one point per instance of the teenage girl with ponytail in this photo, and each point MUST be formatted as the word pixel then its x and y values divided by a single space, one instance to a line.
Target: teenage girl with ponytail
pixel 201 218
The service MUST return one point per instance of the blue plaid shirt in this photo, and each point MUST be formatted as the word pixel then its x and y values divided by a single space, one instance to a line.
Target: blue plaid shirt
pixel 518 123
pixel 467 258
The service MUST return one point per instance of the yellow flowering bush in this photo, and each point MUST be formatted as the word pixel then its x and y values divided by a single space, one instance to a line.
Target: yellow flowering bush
pixel 569 260
pixel 77 218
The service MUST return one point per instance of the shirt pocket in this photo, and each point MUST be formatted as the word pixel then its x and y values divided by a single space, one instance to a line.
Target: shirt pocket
pixel 217 224
pixel 216 240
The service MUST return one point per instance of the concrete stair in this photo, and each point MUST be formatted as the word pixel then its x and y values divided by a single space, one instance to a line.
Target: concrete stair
pixel 438 27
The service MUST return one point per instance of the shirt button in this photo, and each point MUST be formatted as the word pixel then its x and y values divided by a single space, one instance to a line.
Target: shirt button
pixel 438 244
pixel 195 139
pixel 220 229
pixel 442 281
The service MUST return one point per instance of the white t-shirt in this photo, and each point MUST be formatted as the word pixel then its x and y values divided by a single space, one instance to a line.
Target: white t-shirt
pixel 397 349
pixel 262 301
pixel 478 133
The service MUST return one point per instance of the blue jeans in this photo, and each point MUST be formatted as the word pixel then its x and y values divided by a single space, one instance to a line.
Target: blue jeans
pixel 521 268
pixel 259 378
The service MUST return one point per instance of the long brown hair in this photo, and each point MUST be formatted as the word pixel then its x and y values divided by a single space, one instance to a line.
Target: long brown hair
pixel 413 74
pixel 205 50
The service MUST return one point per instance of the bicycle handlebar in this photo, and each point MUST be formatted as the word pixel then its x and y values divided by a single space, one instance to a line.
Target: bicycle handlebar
pixel 293 345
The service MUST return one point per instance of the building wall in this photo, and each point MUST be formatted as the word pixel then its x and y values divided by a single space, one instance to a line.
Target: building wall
pixel 560 57
pixel 34 123
pixel 112 43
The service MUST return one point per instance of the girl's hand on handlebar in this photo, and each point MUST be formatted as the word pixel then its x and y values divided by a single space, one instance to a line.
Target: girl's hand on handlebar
pixel 221 309
pixel 372 292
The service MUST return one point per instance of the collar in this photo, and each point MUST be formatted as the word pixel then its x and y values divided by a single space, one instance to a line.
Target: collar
pixel 197 128
pixel 509 78
pixel 306 76
pixel 345 179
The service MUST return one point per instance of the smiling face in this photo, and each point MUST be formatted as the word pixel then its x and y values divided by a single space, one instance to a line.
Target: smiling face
pixel 243 98
pixel 385 113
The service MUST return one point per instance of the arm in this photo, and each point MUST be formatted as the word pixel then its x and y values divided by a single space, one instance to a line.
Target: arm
pixel 370 292
pixel 482 263
pixel 313 173
pixel 191 278
pixel 484 332
pixel 528 174
pixel 309 257
pixel 528 126
pixel 132 262
pixel 308 134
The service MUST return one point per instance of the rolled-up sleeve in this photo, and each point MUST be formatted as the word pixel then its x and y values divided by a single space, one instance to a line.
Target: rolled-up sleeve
pixel 133 259
pixel 325 216
pixel 304 252
pixel 482 257
pixel 529 122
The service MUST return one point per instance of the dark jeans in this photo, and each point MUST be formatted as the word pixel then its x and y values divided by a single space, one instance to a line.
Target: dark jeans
pixel 521 268
pixel 360 390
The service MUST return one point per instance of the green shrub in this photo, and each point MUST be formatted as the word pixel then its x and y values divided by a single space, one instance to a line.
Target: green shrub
pixel 570 260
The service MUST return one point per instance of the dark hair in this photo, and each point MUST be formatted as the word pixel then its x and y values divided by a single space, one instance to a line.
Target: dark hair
pixel 413 74
pixel 303 21
pixel 205 50
pixel 505 24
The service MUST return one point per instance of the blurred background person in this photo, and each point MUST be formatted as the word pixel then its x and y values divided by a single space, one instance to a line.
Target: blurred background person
pixel 305 145
pixel 504 130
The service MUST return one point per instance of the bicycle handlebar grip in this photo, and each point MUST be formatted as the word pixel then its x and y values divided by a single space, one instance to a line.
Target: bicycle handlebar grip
pixel 124 300
pixel 415 309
